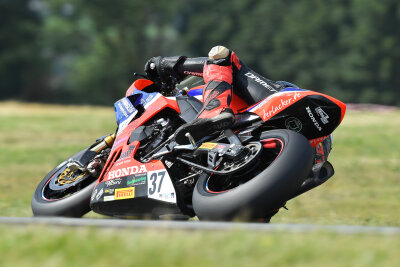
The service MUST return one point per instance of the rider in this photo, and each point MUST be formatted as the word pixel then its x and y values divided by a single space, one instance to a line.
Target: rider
pixel 220 71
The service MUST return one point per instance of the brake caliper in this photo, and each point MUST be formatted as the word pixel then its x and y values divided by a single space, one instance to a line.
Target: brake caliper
pixel 68 176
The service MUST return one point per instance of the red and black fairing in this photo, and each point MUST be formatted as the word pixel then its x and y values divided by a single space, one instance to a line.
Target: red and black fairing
pixel 127 186
pixel 312 114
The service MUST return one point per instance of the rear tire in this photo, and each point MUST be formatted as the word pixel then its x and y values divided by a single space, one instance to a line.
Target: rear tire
pixel 267 191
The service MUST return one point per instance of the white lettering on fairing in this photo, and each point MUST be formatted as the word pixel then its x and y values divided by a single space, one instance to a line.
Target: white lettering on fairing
pixel 284 103
pixel 127 171
pixel 316 124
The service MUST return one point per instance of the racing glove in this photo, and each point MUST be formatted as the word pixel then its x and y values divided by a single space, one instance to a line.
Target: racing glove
pixel 163 68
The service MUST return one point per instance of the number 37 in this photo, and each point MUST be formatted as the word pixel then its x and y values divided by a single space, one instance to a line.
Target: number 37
pixel 155 182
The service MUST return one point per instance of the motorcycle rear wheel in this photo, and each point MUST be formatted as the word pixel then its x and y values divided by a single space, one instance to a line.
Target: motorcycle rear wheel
pixel 54 197
pixel 273 180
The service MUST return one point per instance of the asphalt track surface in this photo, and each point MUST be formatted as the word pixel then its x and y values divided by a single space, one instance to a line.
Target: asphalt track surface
pixel 196 225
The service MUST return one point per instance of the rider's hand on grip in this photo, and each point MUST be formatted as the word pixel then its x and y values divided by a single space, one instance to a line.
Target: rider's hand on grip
pixel 151 68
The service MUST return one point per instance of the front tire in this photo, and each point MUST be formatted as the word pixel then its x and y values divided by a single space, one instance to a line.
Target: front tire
pixel 73 201
pixel 267 188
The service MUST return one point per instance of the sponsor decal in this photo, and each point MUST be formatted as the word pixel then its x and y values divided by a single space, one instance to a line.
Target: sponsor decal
pixel 109 191
pixel 124 193
pixel 260 81
pixel 168 163
pixel 315 141
pixel 221 146
pixel 99 194
pixel 208 145
pixel 167 195
pixel 109 198
pixel 136 180
pixel 126 171
pixel 282 105
pixel 122 125
pixel 128 105
pixel 123 117
pixel 193 73
pixel 94 194
pixel 260 104
pixel 148 100
pixel 293 124
pixel 113 182
pixel 122 109
pixel 322 115
pixel 319 149
pixel 310 114
pixel 127 153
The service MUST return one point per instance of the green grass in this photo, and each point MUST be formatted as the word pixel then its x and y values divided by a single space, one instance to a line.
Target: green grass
pixel 36 138
pixel 364 191
pixel 55 246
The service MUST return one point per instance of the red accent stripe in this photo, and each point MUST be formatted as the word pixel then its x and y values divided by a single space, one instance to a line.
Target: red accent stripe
pixel 109 164
pixel 269 143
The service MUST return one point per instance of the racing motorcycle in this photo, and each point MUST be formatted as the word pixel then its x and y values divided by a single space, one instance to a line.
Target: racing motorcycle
pixel 276 150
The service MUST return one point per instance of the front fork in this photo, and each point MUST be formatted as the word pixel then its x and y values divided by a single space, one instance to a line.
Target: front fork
pixel 92 159
pixel 107 141
pixel 102 150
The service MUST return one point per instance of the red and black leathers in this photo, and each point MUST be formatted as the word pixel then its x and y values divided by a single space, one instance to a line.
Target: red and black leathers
pixel 217 95
pixel 220 76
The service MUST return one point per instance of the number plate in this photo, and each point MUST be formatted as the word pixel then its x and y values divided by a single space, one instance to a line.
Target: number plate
pixel 160 186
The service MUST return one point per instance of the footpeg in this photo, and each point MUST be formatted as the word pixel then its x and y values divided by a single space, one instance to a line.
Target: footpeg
pixel 191 139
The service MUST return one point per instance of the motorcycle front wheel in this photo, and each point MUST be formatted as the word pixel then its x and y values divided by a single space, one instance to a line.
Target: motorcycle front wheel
pixel 64 192
pixel 264 187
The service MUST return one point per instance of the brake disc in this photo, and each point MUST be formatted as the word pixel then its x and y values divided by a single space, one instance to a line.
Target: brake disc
pixel 233 166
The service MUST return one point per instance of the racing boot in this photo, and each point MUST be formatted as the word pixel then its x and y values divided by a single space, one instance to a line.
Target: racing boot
pixel 217 94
